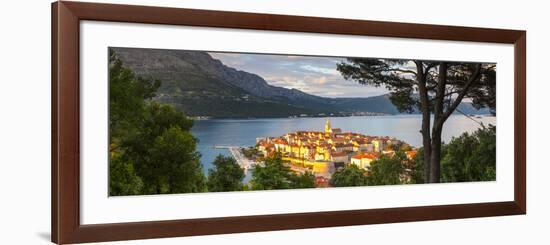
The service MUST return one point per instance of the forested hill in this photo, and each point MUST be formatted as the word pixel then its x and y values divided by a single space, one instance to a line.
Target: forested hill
pixel 200 85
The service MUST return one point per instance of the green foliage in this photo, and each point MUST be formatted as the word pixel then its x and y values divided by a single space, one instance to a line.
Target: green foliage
pixel 122 178
pixel 417 167
pixel 159 117
pixel 127 96
pixel 151 148
pixel 431 87
pixel 226 176
pixel 274 174
pixel 387 170
pixel 470 157
pixel 173 164
pixel 350 175
pixel 305 180
pixel 382 72
pixel 383 171
pixel 164 152
pixel 402 80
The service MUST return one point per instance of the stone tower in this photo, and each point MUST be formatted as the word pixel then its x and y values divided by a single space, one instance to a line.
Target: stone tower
pixel 328 129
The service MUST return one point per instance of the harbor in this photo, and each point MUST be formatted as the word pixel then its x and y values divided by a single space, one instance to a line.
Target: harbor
pixel 235 151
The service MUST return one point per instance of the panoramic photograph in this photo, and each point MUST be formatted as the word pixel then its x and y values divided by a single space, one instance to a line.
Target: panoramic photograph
pixel 184 121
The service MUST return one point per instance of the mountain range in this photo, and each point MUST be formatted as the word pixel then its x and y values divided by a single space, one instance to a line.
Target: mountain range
pixel 200 85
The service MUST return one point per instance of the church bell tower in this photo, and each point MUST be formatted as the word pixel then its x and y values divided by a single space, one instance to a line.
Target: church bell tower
pixel 328 129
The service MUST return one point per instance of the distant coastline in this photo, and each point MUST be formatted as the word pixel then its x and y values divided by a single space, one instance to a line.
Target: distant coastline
pixel 204 118
pixel 203 88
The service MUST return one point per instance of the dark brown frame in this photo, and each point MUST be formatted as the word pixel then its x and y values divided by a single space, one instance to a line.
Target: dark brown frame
pixel 66 227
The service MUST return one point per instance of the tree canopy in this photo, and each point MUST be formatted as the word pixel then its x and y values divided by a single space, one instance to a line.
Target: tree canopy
pixel 122 177
pixel 128 96
pixel 151 148
pixel 388 170
pixel 469 157
pixel 432 87
pixel 274 174
pixel 349 175
pixel 304 180
pixel 227 175
pixel 408 79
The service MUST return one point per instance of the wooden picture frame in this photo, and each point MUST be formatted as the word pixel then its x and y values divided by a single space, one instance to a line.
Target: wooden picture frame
pixel 66 226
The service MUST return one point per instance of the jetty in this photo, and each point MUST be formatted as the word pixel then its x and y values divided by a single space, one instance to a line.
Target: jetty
pixel 235 151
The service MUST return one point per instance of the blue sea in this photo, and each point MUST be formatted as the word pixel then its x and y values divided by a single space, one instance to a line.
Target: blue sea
pixel 243 132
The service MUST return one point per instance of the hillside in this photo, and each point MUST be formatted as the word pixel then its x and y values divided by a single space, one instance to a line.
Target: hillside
pixel 199 85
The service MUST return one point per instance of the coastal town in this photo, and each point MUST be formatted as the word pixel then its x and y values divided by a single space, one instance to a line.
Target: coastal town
pixel 323 152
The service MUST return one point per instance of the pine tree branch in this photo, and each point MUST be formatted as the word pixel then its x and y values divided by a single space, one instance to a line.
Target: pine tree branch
pixel 471 81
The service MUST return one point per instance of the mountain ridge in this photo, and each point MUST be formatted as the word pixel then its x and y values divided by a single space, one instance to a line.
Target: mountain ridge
pixel 199 85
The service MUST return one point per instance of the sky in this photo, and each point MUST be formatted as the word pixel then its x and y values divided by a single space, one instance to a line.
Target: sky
pixel 313 75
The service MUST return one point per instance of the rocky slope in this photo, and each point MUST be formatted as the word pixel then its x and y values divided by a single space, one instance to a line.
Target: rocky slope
pixel 199 85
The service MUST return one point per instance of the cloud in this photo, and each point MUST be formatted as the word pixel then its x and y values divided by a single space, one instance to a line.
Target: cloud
pixel 320 80
pixel 310 74
pixel 323 70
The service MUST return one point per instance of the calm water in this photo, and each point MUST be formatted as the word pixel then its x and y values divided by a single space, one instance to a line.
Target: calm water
pixel 243 132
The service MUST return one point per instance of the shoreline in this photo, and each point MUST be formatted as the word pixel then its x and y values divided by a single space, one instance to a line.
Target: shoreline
pixel 208 118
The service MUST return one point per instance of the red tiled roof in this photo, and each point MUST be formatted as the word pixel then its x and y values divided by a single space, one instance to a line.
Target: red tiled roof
pixel 366 155
pixel 338 154
pixel 411 154
pixel 280 141
pixel 265 144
